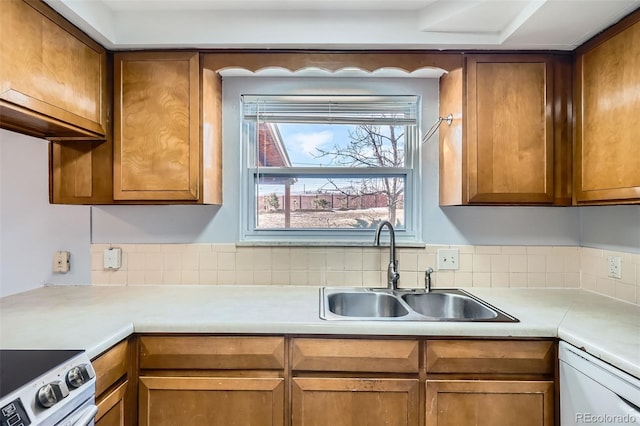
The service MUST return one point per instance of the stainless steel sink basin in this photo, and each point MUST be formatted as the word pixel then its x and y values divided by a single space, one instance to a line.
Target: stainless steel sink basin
pixel 449 306
pixel 377 304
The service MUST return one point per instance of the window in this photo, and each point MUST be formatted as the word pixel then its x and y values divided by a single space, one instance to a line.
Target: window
pixel 329 167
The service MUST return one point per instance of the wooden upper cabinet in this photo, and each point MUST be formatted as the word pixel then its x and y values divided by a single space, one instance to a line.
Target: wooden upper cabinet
pixel 607 157
pixel 500 147
pixel 167 129
pixel 156 132
pixel 52 76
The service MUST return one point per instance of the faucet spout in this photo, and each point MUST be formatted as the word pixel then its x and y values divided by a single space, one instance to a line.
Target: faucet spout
pixel 427 279
pixel 392 271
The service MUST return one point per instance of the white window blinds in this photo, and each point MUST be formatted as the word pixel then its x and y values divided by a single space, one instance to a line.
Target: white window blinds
pixel 381 110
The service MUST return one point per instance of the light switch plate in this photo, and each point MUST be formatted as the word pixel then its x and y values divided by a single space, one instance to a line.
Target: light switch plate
pixel 112 258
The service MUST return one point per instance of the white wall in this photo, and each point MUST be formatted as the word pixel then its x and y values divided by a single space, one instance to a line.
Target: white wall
pixel 611 227
pixel 453 225
pixel 31 229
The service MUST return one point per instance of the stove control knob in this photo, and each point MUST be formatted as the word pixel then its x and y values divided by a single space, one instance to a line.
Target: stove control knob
pixel 79 375
pixel 50 394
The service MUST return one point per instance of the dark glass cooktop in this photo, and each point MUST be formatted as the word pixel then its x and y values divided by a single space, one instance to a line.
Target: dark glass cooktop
pixel 19 367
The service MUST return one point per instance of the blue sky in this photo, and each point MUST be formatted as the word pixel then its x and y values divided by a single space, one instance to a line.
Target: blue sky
pixel 301 141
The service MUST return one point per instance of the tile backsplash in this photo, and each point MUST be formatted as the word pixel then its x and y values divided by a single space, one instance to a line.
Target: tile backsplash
pixel 479 266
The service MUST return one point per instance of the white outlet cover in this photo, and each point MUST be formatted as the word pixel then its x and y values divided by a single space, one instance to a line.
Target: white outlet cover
pixel 615 267
pixel 61 261
pixel 448 259
pixel 112 258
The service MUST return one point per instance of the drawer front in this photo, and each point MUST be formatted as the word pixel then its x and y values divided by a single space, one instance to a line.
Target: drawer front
pixel 111 366
pixel 490 356
pixel 211 352
pixel 355 355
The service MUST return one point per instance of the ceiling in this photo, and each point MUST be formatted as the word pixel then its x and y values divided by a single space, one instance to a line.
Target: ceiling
pixel 344 24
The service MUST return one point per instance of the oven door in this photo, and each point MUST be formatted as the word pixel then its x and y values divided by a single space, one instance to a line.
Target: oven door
pixel 82 416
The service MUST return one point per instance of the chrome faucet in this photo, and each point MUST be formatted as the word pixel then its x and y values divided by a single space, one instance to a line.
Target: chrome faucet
pixel 392 271
pixel 427 280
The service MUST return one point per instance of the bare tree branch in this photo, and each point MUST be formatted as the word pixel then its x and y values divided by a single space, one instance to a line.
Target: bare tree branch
pixel 371 146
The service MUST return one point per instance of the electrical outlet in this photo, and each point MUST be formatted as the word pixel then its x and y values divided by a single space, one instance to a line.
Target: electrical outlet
pixel 448 259
pixel 615 267
pixel 112 258
pixel 61 261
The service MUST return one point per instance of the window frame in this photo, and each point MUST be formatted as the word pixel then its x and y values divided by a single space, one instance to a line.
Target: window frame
pixel 409 234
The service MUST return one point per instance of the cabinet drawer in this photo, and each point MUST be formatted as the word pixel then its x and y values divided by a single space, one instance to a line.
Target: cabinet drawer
pixel 209 352
pixel 490 356
pixel 359 355
pixel 110 366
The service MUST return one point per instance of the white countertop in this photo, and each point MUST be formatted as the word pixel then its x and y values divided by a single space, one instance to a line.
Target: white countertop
pixel 94 318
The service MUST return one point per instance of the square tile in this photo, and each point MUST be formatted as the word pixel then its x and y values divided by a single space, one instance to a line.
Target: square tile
pixel 208 277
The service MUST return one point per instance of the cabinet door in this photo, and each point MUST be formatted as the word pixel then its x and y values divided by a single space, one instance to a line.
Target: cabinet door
pixel 112 384
pixel 509 129
pixel 187 401
pixel 489 403
pixel 53 77
pixel 156 126
pixel 607 157
pixel 111 408
pixel 354 402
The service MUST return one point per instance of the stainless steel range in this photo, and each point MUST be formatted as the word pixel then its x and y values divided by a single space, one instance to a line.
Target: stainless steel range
pixel 46 388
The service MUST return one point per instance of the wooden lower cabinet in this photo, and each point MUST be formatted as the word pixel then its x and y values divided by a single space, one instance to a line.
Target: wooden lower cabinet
pixel 317 381
pixel 489 403
pixel 211 380
pixel 354 402
pixel 112 409
pixel 353 382
pixel 490 382
pixel 113 386
pixel 223 401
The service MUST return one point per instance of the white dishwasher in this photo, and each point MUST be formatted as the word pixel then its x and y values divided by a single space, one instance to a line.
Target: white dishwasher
pixel 595 393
